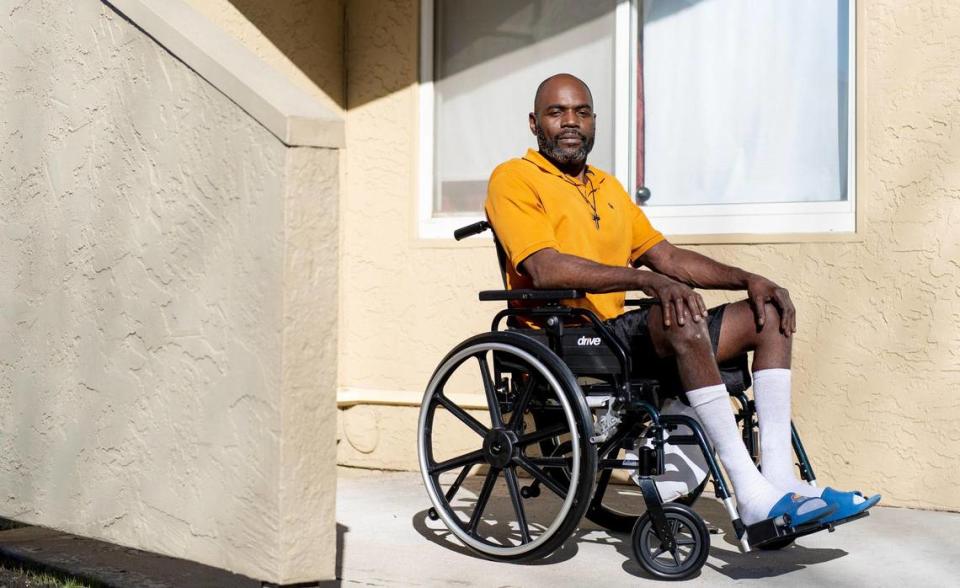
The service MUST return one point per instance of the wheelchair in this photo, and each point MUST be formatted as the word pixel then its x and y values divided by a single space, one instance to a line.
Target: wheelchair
pixel 563 410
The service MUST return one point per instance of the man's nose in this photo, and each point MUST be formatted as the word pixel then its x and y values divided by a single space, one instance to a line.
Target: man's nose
pixel 570 119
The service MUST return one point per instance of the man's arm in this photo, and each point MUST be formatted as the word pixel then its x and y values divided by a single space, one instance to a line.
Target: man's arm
pixel 699 271
pixel 548 268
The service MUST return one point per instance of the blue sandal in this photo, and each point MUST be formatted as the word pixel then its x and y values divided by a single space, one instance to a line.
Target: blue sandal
pixel 801 509
pixel 845 505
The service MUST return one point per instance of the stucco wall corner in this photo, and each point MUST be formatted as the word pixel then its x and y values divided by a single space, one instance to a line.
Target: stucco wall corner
pixel 168 313
pixel 309 367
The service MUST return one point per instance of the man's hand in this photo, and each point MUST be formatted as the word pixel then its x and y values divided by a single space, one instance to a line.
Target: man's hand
pixel 678 301
pixel 760 290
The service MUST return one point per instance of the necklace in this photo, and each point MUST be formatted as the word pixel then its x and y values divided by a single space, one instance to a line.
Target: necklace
pixel 592 201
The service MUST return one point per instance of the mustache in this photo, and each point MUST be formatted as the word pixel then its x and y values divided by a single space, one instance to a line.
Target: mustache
pixel 572 135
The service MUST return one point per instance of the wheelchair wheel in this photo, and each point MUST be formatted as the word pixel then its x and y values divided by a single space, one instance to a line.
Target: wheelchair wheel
pixel 685 558
pixel 488 511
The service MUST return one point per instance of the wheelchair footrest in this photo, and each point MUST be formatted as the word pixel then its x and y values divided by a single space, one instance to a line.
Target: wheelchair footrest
pixel 777 529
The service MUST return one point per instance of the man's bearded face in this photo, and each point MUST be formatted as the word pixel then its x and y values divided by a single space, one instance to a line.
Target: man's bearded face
pixel 569 146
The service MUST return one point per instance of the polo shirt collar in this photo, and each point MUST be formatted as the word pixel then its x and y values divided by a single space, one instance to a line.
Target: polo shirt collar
pixel 537 159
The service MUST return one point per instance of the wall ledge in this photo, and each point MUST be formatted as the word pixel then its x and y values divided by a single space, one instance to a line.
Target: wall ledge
pixel 293 116
pixel 347 397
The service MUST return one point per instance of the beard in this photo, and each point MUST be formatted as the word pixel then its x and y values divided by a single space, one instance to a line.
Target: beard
pixel 564 155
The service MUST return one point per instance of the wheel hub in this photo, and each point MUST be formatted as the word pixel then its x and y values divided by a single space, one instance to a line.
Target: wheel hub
pixel 498 447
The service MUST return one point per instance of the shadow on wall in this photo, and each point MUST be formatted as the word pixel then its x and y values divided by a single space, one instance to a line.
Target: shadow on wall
pixel 298 28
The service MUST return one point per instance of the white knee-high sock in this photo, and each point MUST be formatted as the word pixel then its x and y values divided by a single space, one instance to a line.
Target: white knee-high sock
pixel 771 392
pixel 755 495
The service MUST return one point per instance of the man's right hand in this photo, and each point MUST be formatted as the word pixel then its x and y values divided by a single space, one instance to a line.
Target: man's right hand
pixel 679 302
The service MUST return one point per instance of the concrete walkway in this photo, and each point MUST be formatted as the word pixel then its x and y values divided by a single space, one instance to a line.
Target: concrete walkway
pixel 387 540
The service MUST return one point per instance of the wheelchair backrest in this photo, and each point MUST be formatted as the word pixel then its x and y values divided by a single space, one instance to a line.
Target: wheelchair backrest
pixel 476 229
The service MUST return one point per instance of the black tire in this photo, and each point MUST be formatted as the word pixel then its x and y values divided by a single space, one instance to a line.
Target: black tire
pixel 522 374
pixel 693 544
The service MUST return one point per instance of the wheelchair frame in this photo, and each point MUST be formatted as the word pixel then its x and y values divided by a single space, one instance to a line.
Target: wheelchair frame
pixel 631 409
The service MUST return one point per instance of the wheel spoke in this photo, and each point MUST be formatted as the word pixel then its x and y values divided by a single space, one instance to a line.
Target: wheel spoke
pixel 516 419
pixel 686 542
pixel 461 414
pixel 676 559
pixel 466 459
pixel 511 475
pixel 536 436
pixel 492 403
pixel 550 462
pixel 658 553
pixel 482 499
pixel 538 474
pixel 452 491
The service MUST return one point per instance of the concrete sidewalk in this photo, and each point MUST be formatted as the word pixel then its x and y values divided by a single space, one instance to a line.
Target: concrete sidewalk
pixel 386 540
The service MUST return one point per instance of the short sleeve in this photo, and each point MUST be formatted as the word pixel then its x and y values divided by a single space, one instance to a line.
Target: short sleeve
pixel 644 235
pixel 517 215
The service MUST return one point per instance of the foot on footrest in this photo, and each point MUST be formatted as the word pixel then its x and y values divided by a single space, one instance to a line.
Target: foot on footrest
pixel 792 516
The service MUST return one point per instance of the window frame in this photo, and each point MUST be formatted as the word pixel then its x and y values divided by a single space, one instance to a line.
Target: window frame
pixel 684 222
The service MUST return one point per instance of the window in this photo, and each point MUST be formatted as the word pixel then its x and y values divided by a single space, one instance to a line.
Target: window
pixel 737 116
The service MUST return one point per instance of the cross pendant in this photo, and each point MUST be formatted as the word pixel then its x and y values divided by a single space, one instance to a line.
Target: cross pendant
pixel 596 220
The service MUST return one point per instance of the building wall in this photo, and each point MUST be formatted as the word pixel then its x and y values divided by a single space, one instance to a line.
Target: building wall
pixel 167 313
pixel 301 38
pixel 876 356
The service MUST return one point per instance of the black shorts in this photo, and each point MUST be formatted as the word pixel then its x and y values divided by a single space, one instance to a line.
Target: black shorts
pixel 632 329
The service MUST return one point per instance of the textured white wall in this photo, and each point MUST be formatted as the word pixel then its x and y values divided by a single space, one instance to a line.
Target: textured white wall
pixel 157 250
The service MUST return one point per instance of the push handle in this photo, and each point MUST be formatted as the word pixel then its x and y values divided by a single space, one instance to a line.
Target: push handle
pixel 470 230
pixel 643 195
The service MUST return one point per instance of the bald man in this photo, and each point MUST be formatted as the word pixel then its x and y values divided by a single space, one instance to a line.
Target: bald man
pixel 566 224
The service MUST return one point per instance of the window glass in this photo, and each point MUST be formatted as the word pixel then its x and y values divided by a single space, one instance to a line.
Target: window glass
pixel 489 57
pixel 745 101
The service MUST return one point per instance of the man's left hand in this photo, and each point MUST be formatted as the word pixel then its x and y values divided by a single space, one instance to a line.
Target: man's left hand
pixel 760 291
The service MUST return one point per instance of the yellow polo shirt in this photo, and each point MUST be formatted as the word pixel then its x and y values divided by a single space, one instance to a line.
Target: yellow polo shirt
pixel 532 205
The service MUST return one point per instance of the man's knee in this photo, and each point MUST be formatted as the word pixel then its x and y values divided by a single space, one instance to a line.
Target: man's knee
pixel 692 337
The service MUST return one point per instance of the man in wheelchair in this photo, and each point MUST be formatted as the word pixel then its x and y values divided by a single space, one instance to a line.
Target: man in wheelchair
pixel 565 224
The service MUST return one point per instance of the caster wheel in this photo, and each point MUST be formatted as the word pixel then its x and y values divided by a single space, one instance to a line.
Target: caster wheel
pixel 530 491
pixel 685 558
pixel 432 514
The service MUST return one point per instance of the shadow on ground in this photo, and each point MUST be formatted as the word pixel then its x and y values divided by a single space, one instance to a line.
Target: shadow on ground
pixel 725 557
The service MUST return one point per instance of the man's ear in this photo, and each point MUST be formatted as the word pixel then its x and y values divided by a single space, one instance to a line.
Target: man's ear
pixel 533 123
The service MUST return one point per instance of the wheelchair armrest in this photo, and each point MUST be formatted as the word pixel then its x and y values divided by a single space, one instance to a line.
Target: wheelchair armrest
pixel 641 301
pixel 545 295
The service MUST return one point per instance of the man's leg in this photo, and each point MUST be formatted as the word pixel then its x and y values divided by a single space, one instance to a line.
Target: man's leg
pixel 700 376
pixel 771 391
pixel 739 333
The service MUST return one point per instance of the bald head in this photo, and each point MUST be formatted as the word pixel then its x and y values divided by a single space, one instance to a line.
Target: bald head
pixel 560 83
pixel 563 122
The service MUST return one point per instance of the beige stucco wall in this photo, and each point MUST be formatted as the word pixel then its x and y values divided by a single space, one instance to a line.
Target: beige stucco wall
pixel 301 38
pixel 167 313
pixel 877 364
